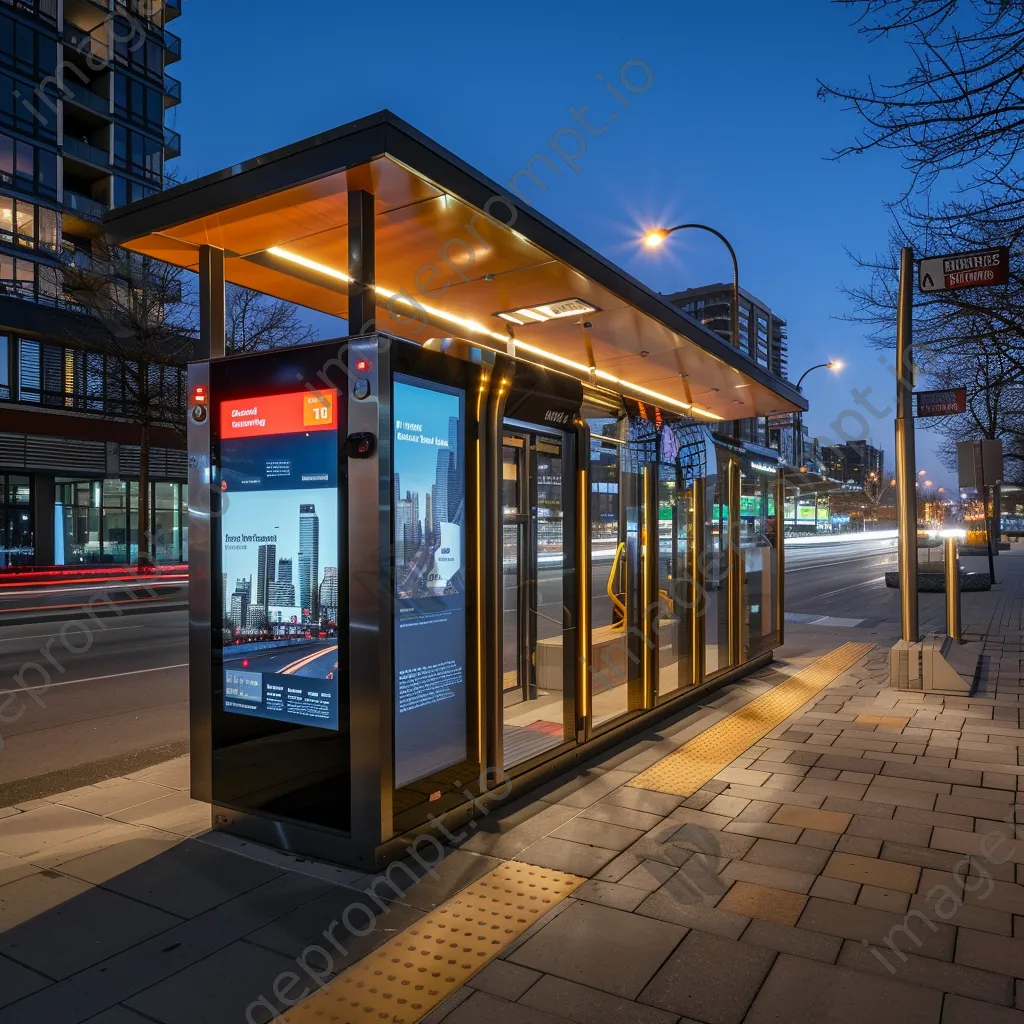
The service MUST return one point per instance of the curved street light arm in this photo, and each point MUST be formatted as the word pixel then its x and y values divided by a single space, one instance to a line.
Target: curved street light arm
pixel 734 329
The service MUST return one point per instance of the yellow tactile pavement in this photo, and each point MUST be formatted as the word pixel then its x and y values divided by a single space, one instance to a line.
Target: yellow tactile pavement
pixel 403 980
pixel 685 770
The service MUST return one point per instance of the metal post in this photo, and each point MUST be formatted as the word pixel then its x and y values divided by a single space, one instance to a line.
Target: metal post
pixel 953 590
pixel 362 296
pixel 211 302
pixel 906 464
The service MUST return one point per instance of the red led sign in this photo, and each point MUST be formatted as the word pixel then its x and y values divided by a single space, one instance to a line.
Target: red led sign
pixel 295 413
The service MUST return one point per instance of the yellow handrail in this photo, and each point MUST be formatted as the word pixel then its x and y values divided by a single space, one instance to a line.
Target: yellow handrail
pixel 611 576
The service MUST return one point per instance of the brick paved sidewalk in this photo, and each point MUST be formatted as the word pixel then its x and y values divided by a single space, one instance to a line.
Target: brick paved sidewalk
pixel 855 864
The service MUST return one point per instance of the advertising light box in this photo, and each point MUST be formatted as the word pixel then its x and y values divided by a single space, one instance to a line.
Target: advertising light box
pixel 430 590
pixel 279 557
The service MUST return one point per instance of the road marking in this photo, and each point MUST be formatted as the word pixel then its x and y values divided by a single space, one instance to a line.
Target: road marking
pixel 699 760
pixel 828 565
pixel 93 679
pixel 293 667
pixel 124 585
pixel 852 586
pixel 78 604
pixel 43 636
pixel 403 980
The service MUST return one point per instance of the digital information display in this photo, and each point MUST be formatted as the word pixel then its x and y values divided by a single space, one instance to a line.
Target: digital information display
pixel 430 591
pixel 279 557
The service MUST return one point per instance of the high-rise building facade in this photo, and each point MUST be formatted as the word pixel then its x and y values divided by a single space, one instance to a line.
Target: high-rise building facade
pixel 266 567
pixel 84 102
pixel 309 562
pixel 853 462
pixel 762 338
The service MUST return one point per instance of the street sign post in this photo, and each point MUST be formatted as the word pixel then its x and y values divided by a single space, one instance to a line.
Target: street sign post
pixel 947 402
pixel 964 270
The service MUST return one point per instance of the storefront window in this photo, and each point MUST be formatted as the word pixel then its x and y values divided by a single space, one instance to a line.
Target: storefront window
pixel 17 539
pixel 97 528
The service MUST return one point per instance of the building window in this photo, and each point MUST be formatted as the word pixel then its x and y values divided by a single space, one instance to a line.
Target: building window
pixel 24 224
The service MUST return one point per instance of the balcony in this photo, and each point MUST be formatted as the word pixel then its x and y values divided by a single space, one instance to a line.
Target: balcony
pixel 172 45
pixel 84 43
pixel 172 144
pixel 84 207
pixel 77 94
pixel 78 149
pixel 172 10
pixel 172 89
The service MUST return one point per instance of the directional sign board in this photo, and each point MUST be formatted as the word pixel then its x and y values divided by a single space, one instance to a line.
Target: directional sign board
pixel 941 403
pixel 964 270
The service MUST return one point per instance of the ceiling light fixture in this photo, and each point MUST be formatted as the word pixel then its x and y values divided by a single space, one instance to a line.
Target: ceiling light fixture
pixel 548 311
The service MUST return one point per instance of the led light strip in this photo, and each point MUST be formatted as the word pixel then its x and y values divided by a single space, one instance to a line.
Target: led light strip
pixel 477 328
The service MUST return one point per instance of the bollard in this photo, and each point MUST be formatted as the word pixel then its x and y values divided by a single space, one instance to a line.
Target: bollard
pixel 953 589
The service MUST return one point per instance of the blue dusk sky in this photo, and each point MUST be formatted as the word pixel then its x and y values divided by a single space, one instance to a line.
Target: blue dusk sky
pixel 730 133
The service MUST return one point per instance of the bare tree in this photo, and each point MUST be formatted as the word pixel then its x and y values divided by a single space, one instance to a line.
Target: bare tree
pixel 256 322
pixel 147 324
pixel 960 107
pixel 957 120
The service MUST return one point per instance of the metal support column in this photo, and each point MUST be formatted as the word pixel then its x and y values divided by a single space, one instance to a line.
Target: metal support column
pixel 362 296
pixel 211 303
pixel 953 628
pixel 906 464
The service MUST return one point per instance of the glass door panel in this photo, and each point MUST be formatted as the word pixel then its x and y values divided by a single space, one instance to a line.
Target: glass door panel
pixel 534 617
pixel 758 619
pixel 675 590
pixel 609 675
pixel 716 569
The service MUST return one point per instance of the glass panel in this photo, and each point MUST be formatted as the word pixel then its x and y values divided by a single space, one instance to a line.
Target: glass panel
pixel 165 540
pixel 608 573
pixel 19 490
pixel 533 609
pixel 115 536
pixel 675 591
pixel 758 547
pixel 716 569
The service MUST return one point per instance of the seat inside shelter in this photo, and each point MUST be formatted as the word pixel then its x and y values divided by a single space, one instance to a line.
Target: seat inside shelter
pixel 612 548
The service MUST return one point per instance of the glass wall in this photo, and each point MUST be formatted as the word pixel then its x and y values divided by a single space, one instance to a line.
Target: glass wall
pixel 609 571
pixel 675 585
pixel 716 562
pixel 538 704
pixel 759 556
pixel 98 522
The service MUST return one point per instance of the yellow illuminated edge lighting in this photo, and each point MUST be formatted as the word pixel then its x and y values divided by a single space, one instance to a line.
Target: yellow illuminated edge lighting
pixel 477 328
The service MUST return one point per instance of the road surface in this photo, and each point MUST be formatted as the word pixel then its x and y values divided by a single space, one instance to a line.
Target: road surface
pixel 86 685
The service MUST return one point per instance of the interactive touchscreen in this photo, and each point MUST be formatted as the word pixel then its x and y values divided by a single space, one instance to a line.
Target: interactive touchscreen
pixel 279 557
pixel 430 592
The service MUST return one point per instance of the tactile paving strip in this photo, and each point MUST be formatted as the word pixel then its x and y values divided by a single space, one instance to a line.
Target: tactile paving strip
pixel 403 980
pixel 699 760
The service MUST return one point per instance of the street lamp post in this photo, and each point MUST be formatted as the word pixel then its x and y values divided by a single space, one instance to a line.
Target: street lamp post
pixel 657 236
pixel 835 365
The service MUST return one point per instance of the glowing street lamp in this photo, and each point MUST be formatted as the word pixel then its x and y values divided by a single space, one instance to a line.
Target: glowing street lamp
pixel 655 239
